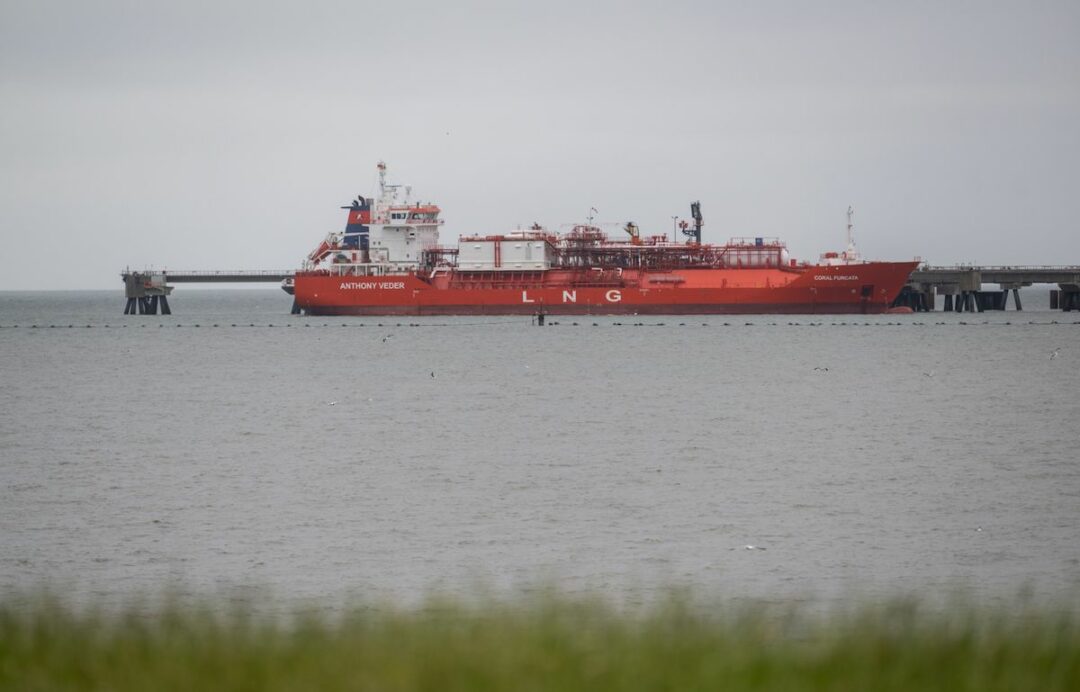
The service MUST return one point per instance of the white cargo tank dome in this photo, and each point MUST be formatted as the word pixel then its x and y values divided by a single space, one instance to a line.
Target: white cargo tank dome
pixel 517 250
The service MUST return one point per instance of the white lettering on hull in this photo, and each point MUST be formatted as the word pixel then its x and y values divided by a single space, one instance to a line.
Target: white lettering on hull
pixel 571 297
pixel 367 285
pixel 836 277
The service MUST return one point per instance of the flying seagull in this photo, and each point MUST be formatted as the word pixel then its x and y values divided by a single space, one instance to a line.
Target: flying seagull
pixel 1055 353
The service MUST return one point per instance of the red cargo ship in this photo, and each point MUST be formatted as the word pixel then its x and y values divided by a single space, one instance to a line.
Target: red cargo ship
pixel 388 262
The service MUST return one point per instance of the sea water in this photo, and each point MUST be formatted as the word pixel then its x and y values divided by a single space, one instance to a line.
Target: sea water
pixel 232 446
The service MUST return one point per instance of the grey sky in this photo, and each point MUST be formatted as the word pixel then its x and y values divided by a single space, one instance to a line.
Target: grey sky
pixel 214 135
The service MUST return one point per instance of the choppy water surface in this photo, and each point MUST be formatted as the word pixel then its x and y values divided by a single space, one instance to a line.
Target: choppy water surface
pixel 334 457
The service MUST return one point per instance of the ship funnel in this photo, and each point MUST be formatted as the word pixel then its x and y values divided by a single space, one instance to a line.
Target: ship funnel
pixel 356 228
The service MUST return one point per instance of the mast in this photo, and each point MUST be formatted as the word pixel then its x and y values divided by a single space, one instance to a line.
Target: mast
pixel 850 229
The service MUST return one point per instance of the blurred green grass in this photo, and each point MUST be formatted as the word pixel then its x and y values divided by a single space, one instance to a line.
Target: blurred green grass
pixel 549 643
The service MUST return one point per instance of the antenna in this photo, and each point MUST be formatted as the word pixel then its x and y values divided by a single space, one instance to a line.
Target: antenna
pixel 382 177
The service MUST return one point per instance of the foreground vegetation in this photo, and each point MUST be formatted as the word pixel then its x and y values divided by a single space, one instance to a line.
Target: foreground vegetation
pixel 551 644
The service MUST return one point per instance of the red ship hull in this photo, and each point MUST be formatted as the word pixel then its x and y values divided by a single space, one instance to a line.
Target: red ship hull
pixel 866 288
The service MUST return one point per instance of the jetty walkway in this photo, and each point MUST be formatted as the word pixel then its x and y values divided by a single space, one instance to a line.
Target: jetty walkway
pixel 147 291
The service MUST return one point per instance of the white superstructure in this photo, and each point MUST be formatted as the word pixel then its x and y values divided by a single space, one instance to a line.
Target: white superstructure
pixel 387 235
pixel 401 230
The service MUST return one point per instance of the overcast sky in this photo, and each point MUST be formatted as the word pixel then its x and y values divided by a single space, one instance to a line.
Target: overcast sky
pixel 221 135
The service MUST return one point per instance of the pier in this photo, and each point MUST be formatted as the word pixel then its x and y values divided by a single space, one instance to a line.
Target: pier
pixel 962 287
pixel 148 291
